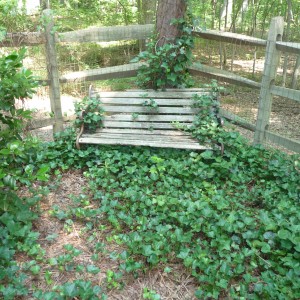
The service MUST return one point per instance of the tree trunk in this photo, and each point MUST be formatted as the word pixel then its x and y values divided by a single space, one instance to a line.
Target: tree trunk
pixel 213 9
pixel 148 11
pixel 296 73
pixel 167 11
pixel 287 39
pixel 45 4
pixel 146 15
pixel 243 11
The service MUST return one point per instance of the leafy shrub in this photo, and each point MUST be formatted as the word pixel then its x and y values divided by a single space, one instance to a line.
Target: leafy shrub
pixel 14 19
pixel 89 113
pixel 166 66
pixel 16 83
pixel 71 290
pixel 17 156
pixel 17 167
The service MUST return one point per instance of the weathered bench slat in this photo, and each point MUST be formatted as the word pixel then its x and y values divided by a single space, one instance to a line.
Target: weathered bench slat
pixel 139 101
pixel 144 137
pixel 149 94
pixel 142 125
pixel 149 110
pixel 153 143
pixel 140 131
pixel 153 118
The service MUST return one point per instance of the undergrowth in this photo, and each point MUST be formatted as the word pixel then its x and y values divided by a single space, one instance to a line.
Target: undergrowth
pixel 231 219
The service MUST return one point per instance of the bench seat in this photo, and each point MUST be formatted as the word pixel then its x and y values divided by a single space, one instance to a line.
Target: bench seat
pixel 146 118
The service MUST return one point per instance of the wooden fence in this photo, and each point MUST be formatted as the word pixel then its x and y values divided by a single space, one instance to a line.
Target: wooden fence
pixel 267 87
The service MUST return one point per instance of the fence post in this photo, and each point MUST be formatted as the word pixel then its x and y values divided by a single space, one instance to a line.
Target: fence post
pixel 52 70
pixel 268 79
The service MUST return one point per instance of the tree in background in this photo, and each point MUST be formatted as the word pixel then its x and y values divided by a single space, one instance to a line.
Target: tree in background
pixel 146 11
pixel 167 11
pixel 169 53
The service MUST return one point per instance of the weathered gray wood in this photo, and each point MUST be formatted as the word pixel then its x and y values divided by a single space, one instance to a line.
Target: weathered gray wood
pixel 145 109
pixel 151 117
pixel 176 145
pixel 136 124
pixel 285 92
pixel 44 82
pixel 143 137
pixel 290 144
pixel 229 37
pixel 141 131
pixel 235 119
pixel 36 123
pixel 141 101
pixel 168 94
pixel 296 73
pixel 124 71
pixel 203 70
pixel 269 74
pixel 107 34
pixel 288 47
pixel 40 123
pixel 53 74
pixel 142 125
pixel 23 39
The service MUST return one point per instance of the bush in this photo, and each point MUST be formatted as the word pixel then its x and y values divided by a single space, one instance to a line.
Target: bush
pixel 18 156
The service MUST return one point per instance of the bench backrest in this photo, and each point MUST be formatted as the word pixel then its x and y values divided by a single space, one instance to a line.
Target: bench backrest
pixel 140 109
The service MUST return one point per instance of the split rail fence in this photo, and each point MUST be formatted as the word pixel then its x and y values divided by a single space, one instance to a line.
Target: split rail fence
pixel 273 45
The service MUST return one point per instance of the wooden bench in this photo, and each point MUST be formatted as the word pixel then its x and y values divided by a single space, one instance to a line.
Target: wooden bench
pixel 146 118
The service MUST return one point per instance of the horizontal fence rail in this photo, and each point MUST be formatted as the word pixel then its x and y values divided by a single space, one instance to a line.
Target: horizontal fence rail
pixel 106 34
pixel 23 39
pixel 123 71
pixel 229 37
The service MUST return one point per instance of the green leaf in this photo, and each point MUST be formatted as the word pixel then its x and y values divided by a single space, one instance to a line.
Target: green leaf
pixel 92 269
pixel 70 290
pixel 183 254
pixel 283 234
pixel 35 269
pixel 222 283
pixel 265 248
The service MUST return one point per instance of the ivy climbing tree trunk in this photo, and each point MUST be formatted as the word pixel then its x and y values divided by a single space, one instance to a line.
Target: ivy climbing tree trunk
pixel 166 11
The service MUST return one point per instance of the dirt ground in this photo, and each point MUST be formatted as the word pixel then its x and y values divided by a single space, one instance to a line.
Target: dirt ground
pixel 177 284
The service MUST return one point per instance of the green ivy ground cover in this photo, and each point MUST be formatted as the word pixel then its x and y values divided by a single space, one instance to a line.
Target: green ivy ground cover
pixel 230 217
pixel 232 220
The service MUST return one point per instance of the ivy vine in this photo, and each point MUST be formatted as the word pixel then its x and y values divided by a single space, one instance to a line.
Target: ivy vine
pixel 89 114
pixel 166 66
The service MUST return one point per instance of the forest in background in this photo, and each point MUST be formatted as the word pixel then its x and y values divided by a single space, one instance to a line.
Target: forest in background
pixel 251 17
